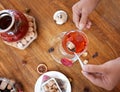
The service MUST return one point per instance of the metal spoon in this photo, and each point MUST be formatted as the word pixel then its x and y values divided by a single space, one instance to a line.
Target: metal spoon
pixel 80 61
pixel 71 47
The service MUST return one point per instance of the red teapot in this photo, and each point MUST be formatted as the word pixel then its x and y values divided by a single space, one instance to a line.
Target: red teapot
pixel 13 25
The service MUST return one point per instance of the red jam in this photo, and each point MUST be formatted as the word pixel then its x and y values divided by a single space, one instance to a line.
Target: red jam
pixel 13 25
pixel 66 62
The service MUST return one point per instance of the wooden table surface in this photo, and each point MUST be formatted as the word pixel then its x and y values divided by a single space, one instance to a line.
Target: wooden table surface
pixel 103 38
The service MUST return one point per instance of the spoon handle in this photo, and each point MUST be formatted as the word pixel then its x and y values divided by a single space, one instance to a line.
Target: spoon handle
pixel 80 61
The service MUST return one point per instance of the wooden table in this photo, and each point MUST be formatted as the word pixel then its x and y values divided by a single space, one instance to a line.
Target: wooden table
pixel 103 38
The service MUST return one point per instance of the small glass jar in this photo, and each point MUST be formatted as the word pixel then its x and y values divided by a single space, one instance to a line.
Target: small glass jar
pixel 13 25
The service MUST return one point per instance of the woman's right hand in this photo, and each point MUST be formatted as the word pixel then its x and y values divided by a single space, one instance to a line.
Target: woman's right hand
pixel 106 75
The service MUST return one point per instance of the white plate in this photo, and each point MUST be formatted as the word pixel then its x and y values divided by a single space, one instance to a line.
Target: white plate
pixel 52 74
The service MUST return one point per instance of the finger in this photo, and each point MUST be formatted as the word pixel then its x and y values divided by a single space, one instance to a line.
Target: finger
pixel 88 75
pixel 83 20
pixel 76 19
pixel 93 68
pixel 89 24
pixel 76 9
pixel 95 80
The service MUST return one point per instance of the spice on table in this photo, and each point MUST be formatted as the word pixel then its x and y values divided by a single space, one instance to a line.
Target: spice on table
pixel 50 49
pixel 27 10
pixel 86 89
pixel 95 55
pixel 70 79
pixel 41 68
pixel 24 62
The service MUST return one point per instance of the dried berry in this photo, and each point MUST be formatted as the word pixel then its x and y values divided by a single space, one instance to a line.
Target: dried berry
pixel 19 87
pixel 86 89
pixel 70 79
pixel 66 62
pixel 27 10
pixel 95 55
pixel 24 62
pixel 50 49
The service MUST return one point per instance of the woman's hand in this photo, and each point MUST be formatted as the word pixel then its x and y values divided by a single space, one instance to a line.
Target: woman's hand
pixel 106 75
pixel 81 11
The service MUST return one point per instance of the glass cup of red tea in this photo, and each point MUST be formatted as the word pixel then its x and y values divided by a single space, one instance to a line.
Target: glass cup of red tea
pixel 60 51
pixel 13 25
pixel 80 41
pixel 78 38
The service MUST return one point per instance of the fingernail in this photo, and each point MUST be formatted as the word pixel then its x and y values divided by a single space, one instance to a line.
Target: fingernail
pixel 88 26
pixel 83 72
pixel 77 25
pixel 81 26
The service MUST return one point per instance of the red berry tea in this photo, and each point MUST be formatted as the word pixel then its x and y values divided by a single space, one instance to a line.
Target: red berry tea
pixel 78 38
